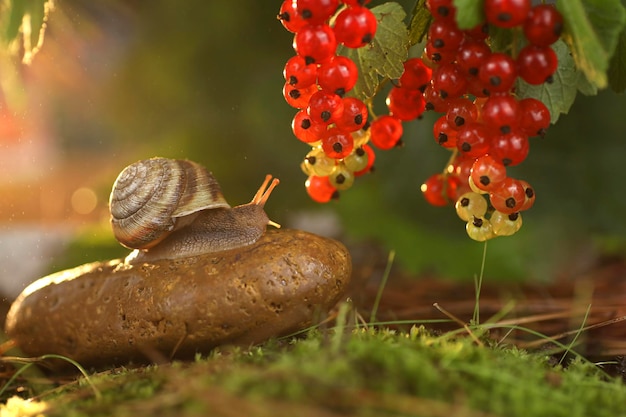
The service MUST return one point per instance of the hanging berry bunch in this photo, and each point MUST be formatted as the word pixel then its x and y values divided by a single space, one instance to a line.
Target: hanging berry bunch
pixel 485 65
pixel 316 83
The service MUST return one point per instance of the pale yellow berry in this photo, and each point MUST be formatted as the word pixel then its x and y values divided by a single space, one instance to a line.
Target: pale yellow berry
pixel 471 205
pixel 356 161
pixel 479 229
pixel 360 137
pixel 317 163
pixel 505 224
pixel 341 178
pixel 474 188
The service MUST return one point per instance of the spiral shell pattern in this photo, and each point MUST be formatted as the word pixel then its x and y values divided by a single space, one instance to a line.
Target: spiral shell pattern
pixel 150 197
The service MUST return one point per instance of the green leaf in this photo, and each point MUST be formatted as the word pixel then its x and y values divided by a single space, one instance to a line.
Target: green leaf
pixel 591 30
pixel 559 95
pixel 617 66
pixel 385 55
pixel 420 22
pixel 469 13
pixel 27 18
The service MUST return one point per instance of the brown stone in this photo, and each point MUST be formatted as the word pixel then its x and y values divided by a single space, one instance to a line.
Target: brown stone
pixel 107 313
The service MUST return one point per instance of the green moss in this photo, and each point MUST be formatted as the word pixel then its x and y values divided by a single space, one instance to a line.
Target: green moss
pixel 364 372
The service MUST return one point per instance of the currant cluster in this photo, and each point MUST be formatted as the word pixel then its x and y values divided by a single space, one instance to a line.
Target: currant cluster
pixel 316 81
pixel 484 123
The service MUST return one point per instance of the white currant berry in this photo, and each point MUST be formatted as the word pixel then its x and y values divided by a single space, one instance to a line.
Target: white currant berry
pixel 341 178
pixel 471 205
pixel 479 229
pixel 360 137
pixel 357 160
pixel 505 224
pixel 473 187
pixel 317 163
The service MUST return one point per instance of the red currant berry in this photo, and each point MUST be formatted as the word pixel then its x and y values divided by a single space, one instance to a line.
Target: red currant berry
pixel 290 18
pixel 298 97
pixel 529 192
pixel 501 113
pixel 498 72
pixel 543 26
pixel 506 13
pixel 337 144
pixel 475 87
pixel 305 129
pixel 405 104
pixel 445 36
pixel 472 140
pixel 438 56
pixel 434 190
pixel 470 56
pixel 508 196
pixel 434 101
pixel 355 26
pixel 354 115
pixel 316 43
pixel 371 157
pixel 320 189
pixel 537 64
pixel 324 107
pixel 416 75
pixel 449 81
pixel 444 134
pixel 339 75
pixel 487 173
pixel 535 117
pixel 355 2
pixel 316 11
pixel 442 9
pixel 298 73
pixel 385 132
pixel 510 149
pixel 479 32
pixel 461 111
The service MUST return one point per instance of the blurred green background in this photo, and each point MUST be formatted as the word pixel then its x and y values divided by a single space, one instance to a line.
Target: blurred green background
pixel 120 81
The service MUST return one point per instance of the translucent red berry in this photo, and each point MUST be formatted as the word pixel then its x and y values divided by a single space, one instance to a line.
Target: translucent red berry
pixel 444 134
pixel 298 97
pixel 442 9
pixel 498 72
pixel 337 144
pixel 470 56
pixel 324 107
pixel 449 81
pixel 537 64
pixel 444 35
pixel 501 113
pixel 385 132
pixel 355 26
pixel 510 149
pixel 298 73
pixel 305 129
pixel 433 100
pixel 316 11
pixel 316 43
pixel 506 13
pixel 289 17
pixel 438 56
pixel 487 173
pixel 355 2
pixel 544 25
pixel 461 111
pixel 416 74
pixel 354 115
pixel 508 196
pixel 319 189
pixel 405 104
pixel 530 196
pixel 473 139
pixel 339 74
pixel 535 117
pixel 434 190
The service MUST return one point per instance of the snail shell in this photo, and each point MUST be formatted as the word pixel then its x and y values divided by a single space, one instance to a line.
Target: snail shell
pixel 153 197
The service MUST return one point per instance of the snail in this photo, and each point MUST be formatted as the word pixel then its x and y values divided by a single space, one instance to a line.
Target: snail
pixel 170 208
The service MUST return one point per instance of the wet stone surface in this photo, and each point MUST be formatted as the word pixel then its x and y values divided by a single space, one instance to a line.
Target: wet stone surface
pixel 108 313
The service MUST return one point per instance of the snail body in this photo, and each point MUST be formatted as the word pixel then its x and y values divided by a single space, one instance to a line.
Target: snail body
pixel 168 209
